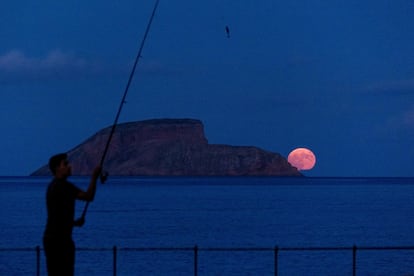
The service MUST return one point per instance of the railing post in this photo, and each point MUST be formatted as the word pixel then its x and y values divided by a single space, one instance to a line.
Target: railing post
pixel 354 250
pixel 276 253
pixel 114 260
pixel 195 260
pixel 38 260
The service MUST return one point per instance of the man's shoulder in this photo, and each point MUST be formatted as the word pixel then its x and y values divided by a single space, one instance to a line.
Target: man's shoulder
pixel 62 184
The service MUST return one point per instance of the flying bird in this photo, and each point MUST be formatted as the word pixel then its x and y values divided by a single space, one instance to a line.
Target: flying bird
pixel 228 31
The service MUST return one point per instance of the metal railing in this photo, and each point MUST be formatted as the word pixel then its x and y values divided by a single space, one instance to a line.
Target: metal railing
pixel 195 251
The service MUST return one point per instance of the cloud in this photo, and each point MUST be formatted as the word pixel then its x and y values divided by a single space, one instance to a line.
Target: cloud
pixel 17 65
pixel 393 87
pixel 403 89
pixel 402 121
pixel 408 117
pixel 17 61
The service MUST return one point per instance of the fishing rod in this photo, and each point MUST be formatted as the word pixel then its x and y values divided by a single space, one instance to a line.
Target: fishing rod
pixel 108 142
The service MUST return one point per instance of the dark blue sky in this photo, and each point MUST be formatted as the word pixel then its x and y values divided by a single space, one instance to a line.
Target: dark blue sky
pixel 334 76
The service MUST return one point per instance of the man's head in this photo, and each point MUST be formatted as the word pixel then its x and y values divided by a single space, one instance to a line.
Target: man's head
pixel 59 165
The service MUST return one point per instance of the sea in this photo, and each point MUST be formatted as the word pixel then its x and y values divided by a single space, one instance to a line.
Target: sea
pixel 220 226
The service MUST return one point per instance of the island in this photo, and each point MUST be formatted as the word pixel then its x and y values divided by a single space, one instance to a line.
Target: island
pixel 171 147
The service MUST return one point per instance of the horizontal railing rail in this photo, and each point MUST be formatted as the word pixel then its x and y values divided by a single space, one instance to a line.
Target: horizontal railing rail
pixel 195 249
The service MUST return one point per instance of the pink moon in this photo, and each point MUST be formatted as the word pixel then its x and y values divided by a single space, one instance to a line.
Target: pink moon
pixel 302 159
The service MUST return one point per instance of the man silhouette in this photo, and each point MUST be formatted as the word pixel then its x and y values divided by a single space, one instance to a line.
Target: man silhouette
pixel 60 201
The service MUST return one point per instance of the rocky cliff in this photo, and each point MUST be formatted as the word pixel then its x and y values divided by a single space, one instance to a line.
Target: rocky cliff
pixel 171 147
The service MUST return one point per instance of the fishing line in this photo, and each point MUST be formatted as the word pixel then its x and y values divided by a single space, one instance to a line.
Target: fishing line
pixel 103 175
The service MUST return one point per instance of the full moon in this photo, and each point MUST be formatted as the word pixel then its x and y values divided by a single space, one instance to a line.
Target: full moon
pixel 302 159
